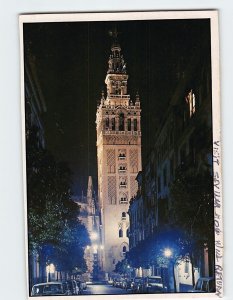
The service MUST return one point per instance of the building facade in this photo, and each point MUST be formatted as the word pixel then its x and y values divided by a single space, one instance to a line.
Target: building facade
pixel 118 157
pixel 182 149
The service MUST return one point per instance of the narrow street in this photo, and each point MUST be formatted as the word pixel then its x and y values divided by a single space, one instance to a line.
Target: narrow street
pixel 104 289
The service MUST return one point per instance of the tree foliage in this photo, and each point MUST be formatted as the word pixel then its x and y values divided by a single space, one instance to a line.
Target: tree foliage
pixel 53 227
pixel 193 208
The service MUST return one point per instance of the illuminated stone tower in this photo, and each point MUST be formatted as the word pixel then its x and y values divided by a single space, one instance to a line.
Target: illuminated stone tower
pixel 119 157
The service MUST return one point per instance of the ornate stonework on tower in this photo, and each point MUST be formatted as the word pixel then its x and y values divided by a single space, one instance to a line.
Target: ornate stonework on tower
pixel 119 157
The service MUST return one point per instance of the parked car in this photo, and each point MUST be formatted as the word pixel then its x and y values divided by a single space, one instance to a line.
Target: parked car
pixel 84 285
pixel 153 284
pixel 204 285
pixel 117 282
pixel 51 289
pixel 126 284
pixel 80 286
pixel 136 285
pixel 73 287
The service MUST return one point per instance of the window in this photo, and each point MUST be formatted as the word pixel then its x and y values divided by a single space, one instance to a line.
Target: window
pixel 124 250
pixel 191 101
pixel 186 267
pixel 129 124
pixel 135 124
pixel 122 154
pixel 123 216
pixel 113 124
pixel 122 168
pixel 107 123
pixel 123 200
pixel 121 122
pixel 120 233
pixel 123 183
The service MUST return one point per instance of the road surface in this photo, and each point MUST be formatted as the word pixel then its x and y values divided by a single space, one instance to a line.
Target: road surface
pixel 104 289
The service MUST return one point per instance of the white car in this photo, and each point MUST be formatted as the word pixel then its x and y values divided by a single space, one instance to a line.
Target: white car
pixel 50 289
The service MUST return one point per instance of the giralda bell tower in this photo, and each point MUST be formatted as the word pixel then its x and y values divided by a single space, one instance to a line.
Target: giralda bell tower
pixel 119 157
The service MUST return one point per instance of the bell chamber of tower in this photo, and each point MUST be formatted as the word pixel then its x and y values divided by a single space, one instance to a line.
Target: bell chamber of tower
pixel 118 125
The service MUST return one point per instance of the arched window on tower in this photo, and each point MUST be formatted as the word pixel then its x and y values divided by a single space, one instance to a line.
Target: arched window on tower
pixel 129 124
pixel 107 123
pixel 123 216
pixel 113 124
pixel 121 122
pixel 120 233
pixel 124 249
pixel 135 124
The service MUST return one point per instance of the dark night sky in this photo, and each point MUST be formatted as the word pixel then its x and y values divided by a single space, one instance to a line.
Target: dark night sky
pixel 71 63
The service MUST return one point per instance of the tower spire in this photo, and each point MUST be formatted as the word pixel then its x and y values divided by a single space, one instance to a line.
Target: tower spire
pixel 116 63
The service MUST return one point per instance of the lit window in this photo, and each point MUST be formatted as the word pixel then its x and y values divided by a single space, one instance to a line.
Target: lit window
pixel 191 101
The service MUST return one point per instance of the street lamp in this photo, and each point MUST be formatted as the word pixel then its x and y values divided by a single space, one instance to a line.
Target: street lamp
pixel 95 247
pixel 50 269
pixel 168 254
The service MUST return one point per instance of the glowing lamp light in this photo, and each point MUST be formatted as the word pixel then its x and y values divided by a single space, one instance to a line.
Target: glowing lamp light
pixel 94 236
pixel 167 252
pixel 50 268
pixel 95 247
pixel 88 247
pixel 102 247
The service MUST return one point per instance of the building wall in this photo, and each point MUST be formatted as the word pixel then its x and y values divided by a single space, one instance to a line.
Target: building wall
pixel 183 138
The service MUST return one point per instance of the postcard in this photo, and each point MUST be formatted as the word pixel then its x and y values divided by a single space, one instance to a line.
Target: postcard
pixel 122 154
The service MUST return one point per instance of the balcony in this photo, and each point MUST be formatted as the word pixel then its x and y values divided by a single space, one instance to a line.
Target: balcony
pixel 123 185
pixel 122 170
pixel 123 201
pixel 122 157
pixel 114 96
pixel 116 132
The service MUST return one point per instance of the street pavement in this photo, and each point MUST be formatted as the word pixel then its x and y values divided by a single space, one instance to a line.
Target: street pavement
pixel 104 289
